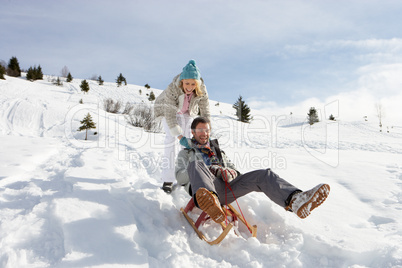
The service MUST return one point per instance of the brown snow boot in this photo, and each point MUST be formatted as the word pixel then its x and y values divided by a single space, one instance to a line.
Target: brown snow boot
pixel 302 203
pixel 209 203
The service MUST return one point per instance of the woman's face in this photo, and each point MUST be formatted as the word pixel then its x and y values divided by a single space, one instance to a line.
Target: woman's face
pixel 189 85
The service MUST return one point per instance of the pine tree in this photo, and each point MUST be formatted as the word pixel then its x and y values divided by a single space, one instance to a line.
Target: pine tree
pixel 39 73
pixel 312 116
pixel 30 74
pixel 2 72
pixel 34 73
pixel 84 86
pixel 69 78
pixel 242 110
pixel 100 81
pixel 14 67
pixel 120 79
pixel 87 123
pixel 151 96
pixel 58 82
pixel 147 86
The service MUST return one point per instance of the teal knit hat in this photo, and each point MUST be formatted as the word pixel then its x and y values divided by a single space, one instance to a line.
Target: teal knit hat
pixel 190 71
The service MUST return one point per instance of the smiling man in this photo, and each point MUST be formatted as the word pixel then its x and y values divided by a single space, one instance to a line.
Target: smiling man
pixel 203 169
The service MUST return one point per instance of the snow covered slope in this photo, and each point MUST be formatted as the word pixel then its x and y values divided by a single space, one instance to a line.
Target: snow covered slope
pixel 66 202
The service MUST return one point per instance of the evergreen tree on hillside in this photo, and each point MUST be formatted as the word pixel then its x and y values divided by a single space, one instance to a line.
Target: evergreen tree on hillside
pixel 14 67
pixel 30 74
pixel 312 116
pixel 69 78
pixel 39 73
pixel 87 123
pixel 2 72
pixel 120 79
pixel 100 81
pixel 34 73
pixel 84 86
pixel 57 82
pixel 151 96
pixel 242 110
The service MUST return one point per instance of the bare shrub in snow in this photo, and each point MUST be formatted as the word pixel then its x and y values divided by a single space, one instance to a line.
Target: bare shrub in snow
pixel 128 108
pixel 64 72
pixel 142 115
pixel 111 106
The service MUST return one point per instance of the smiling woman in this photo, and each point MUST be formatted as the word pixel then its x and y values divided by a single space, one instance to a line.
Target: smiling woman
pixel 183 99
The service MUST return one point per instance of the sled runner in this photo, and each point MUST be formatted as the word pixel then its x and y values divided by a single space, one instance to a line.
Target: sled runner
pixel 232 215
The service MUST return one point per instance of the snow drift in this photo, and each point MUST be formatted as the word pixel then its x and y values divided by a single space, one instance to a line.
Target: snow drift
pixel 66 202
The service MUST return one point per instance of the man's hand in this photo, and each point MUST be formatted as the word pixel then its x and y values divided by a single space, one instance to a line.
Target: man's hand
pixel 226 174
pixel 215 169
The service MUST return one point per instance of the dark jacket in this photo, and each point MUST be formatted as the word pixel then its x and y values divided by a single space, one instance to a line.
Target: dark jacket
pixel 187 156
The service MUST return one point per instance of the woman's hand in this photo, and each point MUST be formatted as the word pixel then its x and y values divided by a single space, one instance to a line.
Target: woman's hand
pixel 184 142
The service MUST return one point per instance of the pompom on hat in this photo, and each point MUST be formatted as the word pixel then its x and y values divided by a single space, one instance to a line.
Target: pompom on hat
pixel 190 71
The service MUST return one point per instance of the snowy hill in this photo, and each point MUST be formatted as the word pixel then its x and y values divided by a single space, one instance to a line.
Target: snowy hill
pixel 66 202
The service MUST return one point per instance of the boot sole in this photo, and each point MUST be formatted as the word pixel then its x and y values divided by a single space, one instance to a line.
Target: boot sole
pixel 316 200
pixel 206 202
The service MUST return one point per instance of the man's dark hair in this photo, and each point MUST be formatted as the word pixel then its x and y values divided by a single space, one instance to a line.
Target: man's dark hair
pixel 198 120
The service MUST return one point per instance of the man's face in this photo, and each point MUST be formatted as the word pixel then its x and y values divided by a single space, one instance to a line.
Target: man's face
pixel 201 133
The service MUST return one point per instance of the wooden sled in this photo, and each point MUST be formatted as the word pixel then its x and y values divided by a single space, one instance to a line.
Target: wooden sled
pixel 232 214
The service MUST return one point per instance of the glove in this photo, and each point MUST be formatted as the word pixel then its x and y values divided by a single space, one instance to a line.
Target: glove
pixel 184 142
pixel 226 174
pixel 215 169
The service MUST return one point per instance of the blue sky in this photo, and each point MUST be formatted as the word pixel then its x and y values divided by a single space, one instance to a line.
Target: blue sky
pixel 273 51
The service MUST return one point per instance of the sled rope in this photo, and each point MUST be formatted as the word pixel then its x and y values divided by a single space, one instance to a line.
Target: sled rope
pixel 225 177
pixel 226 203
